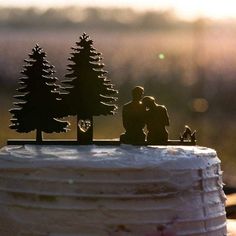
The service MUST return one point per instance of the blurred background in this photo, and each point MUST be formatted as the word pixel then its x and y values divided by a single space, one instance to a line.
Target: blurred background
pixel 182 52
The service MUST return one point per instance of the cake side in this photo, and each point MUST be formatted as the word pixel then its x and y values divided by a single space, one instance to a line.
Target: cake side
pixel 111 190
pixel 92 156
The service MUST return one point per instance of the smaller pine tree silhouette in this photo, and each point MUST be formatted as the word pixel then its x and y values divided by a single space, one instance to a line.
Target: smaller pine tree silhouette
pixel 88 91
pixel 39 98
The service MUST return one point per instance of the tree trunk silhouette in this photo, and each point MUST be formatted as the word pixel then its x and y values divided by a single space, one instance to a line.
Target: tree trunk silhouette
pixel 39 137
pixel 90 130
pixel 78 129
pixel 85 137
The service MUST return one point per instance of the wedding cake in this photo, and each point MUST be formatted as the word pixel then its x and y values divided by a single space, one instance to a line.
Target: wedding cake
pixel 110 190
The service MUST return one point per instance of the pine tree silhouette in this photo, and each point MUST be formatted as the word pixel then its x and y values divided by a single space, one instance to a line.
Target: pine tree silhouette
pixel 89 92
pixel 39 98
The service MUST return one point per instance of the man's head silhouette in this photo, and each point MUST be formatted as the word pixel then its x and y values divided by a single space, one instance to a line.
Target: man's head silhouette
pixel 137 93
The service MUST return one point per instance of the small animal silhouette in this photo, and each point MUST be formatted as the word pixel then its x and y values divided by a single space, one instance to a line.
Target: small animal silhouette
pixel 188 135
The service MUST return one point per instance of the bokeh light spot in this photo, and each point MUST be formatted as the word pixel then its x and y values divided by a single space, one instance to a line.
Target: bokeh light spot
pixel 161 56
pixel 200 105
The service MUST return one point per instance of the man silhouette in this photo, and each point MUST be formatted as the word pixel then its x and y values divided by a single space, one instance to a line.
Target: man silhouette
pixel 133 118
pixel 156 119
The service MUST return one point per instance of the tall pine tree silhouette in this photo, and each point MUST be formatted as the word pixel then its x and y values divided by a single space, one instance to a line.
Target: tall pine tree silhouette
pixel 39 98
pixel 89 92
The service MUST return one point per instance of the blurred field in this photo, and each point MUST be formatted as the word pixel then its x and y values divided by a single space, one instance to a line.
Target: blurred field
pixel 191 71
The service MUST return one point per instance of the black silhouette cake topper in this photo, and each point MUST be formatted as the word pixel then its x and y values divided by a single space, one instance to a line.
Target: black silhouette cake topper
pixel 156 119
pixel 39 98
pixel 87 92
pixel 143 112
pixel 133 119
pixel 188 135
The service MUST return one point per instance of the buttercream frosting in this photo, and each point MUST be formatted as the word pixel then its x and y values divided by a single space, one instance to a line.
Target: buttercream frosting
pixel 110 190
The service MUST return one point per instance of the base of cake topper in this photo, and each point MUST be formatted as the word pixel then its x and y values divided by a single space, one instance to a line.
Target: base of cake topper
pixel 102 142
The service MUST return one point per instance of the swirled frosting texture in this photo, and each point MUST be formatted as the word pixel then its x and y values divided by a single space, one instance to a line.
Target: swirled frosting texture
pixel 110 191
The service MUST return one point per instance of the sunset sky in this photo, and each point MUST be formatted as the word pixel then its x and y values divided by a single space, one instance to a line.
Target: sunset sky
pixel 183 8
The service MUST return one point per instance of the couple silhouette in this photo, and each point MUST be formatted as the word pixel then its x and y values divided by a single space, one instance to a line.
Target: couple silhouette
pixel 141 112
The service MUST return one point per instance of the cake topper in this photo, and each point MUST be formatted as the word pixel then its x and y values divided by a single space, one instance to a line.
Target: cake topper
pixel 145 111
pixel 87 93
pixel 39 98
pixel 133 119
pixel 188 135
pixel 156 119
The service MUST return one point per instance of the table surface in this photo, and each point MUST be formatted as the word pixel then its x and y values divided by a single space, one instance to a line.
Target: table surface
pixel 231 225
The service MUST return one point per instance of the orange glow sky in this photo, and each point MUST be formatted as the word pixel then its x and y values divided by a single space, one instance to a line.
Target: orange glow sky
pixel 184 8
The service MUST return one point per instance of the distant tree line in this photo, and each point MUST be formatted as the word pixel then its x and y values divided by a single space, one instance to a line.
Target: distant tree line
pixel 112 18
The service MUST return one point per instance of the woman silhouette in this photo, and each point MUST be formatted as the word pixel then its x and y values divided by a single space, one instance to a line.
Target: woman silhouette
pixel 156 119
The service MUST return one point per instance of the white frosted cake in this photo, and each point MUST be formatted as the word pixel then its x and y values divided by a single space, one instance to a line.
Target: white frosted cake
pixel 110 191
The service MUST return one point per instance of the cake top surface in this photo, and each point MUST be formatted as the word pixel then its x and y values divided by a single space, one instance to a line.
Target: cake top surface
pixel 92 156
